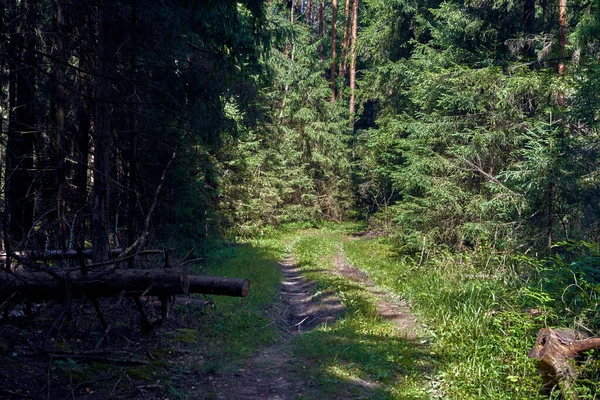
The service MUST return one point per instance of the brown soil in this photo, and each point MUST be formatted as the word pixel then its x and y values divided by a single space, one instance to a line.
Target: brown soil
pixel 389 306
pixel 269 374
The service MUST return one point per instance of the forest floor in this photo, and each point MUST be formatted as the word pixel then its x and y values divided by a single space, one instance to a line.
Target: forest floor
pixel 271 372
pixel 328 332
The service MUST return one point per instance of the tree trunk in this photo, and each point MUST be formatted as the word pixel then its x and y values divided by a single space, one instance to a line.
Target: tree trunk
pixel 529 25
pixel 353 61
pixel 562 45
pixel 133 198
pixel 83 132
pixel 39 286
pixel 68 254
pixel 345 46
pixel 321 23
pixel 308 21
pixel 58 22
pixel 333 47
pixel 102 139
pixel 21 127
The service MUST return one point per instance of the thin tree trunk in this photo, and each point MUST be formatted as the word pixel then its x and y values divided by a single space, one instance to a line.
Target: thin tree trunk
pixel 308 21
pixel 82 139
pixel 345 47
pixel 353 61
pixel 545 16
pixel 287 86
pixel 529 25
pixel 333 47
pixel 321 18
pixel 58 20
pixel 133 198
pixel 102 138
pixel 21 128
pixel 562 45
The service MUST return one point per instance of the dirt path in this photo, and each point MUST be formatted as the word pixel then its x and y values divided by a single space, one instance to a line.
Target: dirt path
pixel 389 306
pixel 270 373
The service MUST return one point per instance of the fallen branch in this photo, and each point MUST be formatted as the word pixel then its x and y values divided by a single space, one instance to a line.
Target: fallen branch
pixel 39 286
pixel 121 358
pixel 69 254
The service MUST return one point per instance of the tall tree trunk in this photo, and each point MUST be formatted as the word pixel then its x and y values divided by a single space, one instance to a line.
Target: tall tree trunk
pixel 83 132
pixel 58 106
pixel 353 61
pixel 545 16
pixel 321 21
pixel 308 21
pixel 102 139
pixel 293 46
pixel 345 47
pixel 21 128
pixel 562 45
pixel 333 46
pixel 133 198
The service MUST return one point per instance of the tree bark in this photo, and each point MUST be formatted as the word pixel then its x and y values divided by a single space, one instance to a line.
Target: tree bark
pixel 321 29
pixel 102 140
pixel 333 47
pixel 39 286
pixel 21 127
pixel 353 61
pixel 308 21
pixel 562 45
pixel 58 22
pixel 345 46
pixel 555 349
pixel 133 197
pixel 83 132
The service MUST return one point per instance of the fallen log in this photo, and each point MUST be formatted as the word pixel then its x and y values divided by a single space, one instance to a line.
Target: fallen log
pixel 68 254
pixel 555 350
pixel 39 286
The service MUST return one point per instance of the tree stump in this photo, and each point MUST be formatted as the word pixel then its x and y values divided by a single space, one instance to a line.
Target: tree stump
pixel 555 350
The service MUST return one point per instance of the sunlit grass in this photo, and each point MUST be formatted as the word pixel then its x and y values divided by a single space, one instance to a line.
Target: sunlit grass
pixel 479 330
pixel 362 354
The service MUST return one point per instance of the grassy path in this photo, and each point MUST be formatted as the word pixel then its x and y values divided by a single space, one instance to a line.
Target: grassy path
pixel 468 342
pixel 338 335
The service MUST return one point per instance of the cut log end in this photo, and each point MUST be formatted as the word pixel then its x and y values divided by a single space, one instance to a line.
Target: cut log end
pixel 245 288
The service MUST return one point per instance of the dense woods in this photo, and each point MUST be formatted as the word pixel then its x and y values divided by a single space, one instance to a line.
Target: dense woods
pixel 450 127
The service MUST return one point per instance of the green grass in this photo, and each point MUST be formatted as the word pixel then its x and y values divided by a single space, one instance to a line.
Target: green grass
pixel 361 355
pixel 237 326
pixel 475 328
pixel 481 334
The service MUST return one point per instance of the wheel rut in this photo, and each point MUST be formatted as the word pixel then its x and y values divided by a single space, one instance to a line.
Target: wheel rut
pixel 271 372
pixel 389 305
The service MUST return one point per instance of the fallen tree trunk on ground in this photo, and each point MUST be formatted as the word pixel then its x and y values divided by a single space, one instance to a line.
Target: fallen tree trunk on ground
pixel 40 286
pixel 555 349
pixel 68 254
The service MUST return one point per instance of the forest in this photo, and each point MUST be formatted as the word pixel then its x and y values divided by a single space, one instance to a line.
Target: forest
pixel 425 174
